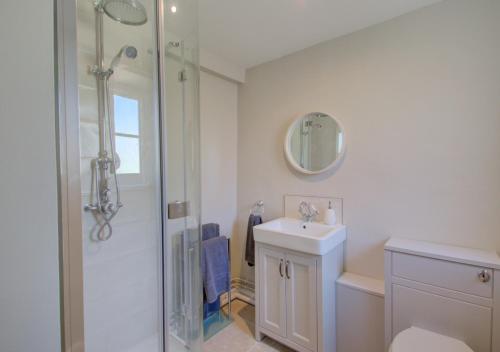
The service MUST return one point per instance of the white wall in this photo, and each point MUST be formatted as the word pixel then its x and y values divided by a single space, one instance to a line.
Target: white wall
pixel 29 265
pixel 419 98
pixel 218 114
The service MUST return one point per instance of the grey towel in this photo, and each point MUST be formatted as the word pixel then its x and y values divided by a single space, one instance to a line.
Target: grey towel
pixel 215 267
pixel 253 220
pixel 209 231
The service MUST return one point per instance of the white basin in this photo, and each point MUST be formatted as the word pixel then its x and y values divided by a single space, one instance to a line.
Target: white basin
pixel 311 237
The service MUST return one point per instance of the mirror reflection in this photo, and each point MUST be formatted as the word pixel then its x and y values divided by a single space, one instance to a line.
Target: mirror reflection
pixel 314 143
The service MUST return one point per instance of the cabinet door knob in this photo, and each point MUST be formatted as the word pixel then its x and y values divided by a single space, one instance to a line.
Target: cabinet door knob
pixel 281 267
pixel 286 269
pixel 484 276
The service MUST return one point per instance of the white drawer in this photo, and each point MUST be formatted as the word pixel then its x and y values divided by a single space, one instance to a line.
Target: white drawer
pixel 454 276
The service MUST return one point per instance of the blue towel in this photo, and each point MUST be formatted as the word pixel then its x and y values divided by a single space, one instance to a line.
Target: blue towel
pixel 253 220
pixel 209 231
pixel 215 267
pixel 210 308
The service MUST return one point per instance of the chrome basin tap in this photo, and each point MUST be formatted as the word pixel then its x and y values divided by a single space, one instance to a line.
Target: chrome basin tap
pixel 307 211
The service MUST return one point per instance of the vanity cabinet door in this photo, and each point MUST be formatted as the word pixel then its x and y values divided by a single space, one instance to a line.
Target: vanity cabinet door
pixel 272 302
pixel 301 291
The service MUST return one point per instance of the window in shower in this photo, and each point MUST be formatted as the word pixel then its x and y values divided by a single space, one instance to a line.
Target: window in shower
pixel 127 135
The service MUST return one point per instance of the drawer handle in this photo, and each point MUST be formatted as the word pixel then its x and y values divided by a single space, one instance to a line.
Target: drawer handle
pixel 484 276
pixel 281 267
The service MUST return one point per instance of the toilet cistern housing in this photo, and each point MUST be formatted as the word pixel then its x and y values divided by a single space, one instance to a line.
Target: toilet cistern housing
pixel 447 295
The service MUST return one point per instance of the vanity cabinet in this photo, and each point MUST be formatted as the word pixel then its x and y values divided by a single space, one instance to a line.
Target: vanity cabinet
pixel 295 297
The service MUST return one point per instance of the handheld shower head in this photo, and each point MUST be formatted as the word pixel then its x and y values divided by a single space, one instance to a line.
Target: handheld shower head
pixel 129 51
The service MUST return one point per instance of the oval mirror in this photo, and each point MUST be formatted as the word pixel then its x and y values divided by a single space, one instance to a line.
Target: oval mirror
pixel 315 143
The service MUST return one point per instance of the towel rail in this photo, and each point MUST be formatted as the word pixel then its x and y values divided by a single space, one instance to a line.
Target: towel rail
pixel 257 208
pixel 230 276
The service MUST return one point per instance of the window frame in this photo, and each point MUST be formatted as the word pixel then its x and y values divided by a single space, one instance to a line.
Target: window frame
pixel 130 180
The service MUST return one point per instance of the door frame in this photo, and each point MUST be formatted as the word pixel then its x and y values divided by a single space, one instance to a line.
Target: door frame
pixel 69 183
pixel 68 167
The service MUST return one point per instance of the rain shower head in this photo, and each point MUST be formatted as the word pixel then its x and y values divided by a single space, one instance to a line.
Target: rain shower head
pixel 129 51
pixel 130 12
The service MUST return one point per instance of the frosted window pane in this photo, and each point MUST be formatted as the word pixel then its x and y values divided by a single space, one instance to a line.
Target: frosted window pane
pixel 128 151
pixel 126 115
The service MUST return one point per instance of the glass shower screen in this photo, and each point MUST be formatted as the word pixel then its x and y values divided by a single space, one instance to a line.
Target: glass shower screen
pixel 181 82
pixel 139 140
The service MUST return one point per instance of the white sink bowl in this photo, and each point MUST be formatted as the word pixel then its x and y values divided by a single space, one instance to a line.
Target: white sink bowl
pixel 311 237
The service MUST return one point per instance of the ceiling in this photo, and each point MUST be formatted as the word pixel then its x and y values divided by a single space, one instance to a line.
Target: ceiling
pixel 250 32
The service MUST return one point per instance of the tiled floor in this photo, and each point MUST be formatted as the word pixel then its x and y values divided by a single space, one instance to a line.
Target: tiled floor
pixel 239 335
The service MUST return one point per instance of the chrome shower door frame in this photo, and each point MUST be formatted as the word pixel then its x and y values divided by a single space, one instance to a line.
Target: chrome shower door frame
pixel 69 181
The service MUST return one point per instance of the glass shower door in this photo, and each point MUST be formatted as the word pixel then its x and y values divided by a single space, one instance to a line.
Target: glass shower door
pixel 142 283
pixel 183 289
pixel 118 105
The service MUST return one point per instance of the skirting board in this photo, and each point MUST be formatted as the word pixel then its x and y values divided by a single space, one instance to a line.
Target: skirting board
pixel 240 289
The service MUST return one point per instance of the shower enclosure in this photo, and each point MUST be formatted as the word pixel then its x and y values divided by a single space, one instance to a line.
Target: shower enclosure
pixel 138 76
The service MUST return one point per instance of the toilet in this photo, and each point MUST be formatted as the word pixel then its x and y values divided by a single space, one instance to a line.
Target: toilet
pixel 419 340
pixel 440 298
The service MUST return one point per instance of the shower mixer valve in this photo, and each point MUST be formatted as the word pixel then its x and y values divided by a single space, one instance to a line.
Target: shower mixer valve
pixel 102 206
